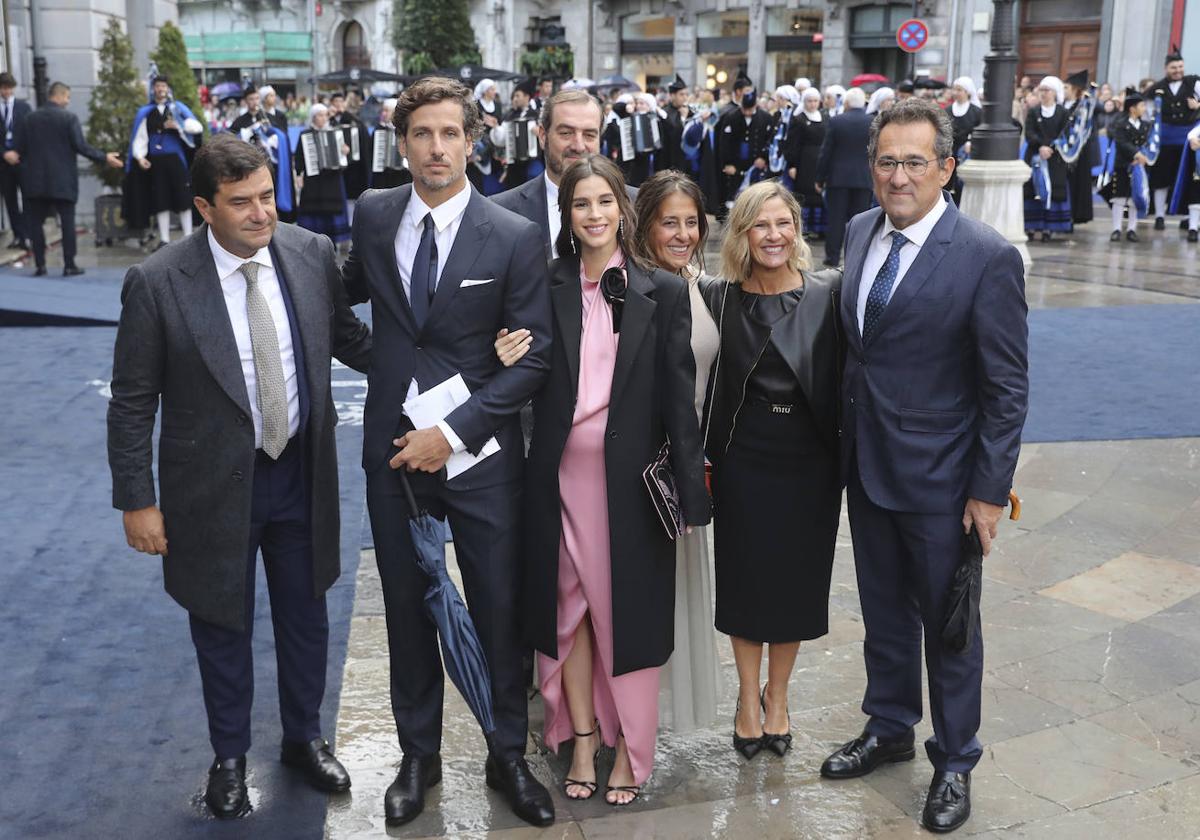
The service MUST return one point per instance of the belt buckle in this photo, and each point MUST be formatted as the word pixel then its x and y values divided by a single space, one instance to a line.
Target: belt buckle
pixel 780 408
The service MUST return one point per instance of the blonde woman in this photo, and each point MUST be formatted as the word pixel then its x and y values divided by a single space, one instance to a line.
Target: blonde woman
pixel 772 438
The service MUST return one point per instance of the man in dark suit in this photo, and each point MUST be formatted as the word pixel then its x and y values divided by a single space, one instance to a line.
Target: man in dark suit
pixel 743 142
pixel 569 128
pixel 843 175
pixel 13 112
pixel 233 328
pixel 935 391
pixel 445 269
pixel 46 148
pixel 678 113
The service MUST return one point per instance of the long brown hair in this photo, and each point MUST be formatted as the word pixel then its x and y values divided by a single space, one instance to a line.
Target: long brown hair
pixel 600 167
pixel 651 195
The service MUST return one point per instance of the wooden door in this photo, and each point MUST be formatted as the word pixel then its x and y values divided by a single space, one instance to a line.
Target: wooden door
pixel 1080 50
pixel 1058 52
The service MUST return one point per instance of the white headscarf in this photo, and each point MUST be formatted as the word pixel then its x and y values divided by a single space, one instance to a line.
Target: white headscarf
pixel 1056 85
pixel 264 90
pixel 839 94
pixel 803 84
pixel 788 93
pixel 880 98
pixel 483 87
pixel 814 94
pixel 317 108
pixel 960 108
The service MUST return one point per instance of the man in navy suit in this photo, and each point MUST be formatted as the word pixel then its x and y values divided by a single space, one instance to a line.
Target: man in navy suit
pixel 843 175
pixel 13 112
pixel 445 269
pixel 935 392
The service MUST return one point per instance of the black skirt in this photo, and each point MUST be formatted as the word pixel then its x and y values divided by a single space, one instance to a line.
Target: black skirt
pixel 170 188
pixel 776 503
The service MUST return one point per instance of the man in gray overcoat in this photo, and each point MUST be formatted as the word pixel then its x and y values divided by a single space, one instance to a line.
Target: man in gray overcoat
pixel 233 328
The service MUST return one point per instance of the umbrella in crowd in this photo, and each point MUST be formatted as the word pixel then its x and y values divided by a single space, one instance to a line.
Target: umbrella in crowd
pixel 868 79
pixel 226 90
pixel 472 73
pixel 462 653
pixel 361 75
pixel 578 82
pixel 927 83
pixel 617 81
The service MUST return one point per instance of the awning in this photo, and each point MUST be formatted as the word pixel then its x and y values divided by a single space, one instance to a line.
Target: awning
pixel 249 49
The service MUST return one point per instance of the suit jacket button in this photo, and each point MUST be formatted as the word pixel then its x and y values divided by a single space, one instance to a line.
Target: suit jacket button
pixel 236 475
pixel 613 434
pixel 241 421
pixel 852 401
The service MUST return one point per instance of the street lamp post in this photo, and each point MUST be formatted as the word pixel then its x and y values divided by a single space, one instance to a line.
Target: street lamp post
pixel 39 60
pixel 994 178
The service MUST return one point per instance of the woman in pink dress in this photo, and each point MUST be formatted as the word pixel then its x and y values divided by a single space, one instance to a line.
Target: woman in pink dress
pixel 600 569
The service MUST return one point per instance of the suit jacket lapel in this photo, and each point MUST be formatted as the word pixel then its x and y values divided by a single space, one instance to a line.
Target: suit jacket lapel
pixel 311 322
pixel 535 194
pixel 635 322
pixel 921 270
pixel 856 255
pixel 567 299
pixel 386 244
pixel 469 243
pixel 202 303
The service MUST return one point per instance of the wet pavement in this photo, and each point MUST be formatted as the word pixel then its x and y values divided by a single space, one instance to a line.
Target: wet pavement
pixel 1091 713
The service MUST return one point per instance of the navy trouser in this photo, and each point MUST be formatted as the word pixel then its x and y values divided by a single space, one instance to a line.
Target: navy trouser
pixel 841 205
pixel 10 186
pixel 280 526
pixel 37 211
pixel 905 564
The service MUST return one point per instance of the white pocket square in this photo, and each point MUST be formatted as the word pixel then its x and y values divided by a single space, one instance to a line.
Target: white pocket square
pixel 467 283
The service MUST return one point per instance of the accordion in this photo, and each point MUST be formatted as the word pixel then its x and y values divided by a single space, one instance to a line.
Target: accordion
pixel 322 151
pixel 350 135
pixel 520 142
pixel 640 135
pixel 385 151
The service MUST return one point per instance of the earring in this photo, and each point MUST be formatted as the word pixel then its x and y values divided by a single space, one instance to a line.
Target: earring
pixel 574 250
pixel 621 226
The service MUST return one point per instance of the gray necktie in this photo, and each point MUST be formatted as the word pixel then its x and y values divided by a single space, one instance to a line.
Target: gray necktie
pixel 268 367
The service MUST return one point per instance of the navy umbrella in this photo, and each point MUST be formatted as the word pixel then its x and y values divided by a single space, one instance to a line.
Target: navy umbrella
pixel 462 654
pixel 617 81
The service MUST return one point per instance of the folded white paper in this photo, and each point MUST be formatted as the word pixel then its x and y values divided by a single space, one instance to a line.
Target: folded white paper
pixel 430 407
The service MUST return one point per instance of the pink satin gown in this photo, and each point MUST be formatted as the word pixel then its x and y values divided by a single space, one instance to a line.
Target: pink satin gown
pixel 625 705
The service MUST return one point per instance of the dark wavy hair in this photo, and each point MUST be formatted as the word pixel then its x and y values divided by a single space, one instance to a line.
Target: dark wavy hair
pixel 224 159
pixel 438 89
pixel 600 167
pixel 651 195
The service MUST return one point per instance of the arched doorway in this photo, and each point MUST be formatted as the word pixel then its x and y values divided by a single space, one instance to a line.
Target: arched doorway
pixel 354 46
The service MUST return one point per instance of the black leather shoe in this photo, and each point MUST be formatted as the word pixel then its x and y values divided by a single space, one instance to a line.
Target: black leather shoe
pixel 40 271
pixel 405 797
pixel 866 752
pixel 1045 236
pixel 226 794
pixel 1193 235
pixel 1131 235
pixel 949 802
pixel 19 245
pixel 316 760
pixel 1115 237
pixel 1160 223
pixel 527 797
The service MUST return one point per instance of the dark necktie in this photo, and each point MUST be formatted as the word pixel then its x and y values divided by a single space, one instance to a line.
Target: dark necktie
pixel 877 298
pixel 423 278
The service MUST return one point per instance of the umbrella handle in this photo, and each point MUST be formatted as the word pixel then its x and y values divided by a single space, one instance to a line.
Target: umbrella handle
pixel 1015 501
pixel 414 511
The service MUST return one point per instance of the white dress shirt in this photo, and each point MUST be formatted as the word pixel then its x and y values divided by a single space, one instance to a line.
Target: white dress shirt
pixel 555 214
pixel 447 218
pixel 881 246
pixel 233 285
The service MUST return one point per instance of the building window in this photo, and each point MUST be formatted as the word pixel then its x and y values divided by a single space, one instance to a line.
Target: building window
pixel 734 24
pixel 648 49
pixel 874 27
pixel 1059 11
pixel 793 23
pixel 721 46
pixel 354 48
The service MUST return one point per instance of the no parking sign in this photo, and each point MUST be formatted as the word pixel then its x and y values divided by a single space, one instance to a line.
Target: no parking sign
pixel 912 35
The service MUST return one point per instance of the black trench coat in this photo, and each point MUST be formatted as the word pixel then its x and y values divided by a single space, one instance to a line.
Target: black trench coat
pixel 653 399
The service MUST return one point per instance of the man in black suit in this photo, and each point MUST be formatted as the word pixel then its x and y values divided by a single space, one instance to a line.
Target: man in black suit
pixel 444 270
pixel 13 112
pixel 678 113
pixel 46 148
pixel 743 142
pixel 569 128
pixel 232 329
pixel 843 175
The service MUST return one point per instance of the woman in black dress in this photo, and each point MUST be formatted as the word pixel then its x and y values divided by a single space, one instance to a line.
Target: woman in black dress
pixel 965 115
pixel 1044 124
pixel 322 196
pixel 804 139
pixel 771 436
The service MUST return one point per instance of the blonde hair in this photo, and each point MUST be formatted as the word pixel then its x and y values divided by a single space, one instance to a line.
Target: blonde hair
pixel 736 265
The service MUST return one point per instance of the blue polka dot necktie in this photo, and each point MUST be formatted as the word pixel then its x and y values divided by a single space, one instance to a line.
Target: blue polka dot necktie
pixel 881 290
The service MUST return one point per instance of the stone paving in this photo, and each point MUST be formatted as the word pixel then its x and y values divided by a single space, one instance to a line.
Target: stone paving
pixel 1091 694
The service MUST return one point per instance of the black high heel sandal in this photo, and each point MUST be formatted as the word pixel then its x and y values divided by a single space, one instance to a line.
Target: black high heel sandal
pixel 590 787
pixel 636 790
pixel 778 744
pixel 748 747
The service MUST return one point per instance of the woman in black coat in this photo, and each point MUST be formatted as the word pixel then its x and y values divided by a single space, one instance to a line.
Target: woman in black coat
pixel 1044 124
pixel 771 434
pixel 599 578
pixel 804 139
pixel 965 116
pixel 322 196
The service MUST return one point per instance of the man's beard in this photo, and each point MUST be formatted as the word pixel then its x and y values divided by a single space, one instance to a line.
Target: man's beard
pixel 438 184
pixel 557 164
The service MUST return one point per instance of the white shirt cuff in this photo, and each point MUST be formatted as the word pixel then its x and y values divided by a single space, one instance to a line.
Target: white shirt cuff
pixel 454 440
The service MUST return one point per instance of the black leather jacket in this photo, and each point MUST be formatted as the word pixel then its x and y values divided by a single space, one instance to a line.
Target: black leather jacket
pixel 809 338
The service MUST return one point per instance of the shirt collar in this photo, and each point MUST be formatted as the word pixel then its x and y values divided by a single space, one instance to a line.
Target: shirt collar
pixel 918 232
pixel 445 213
pixel 551 192
pixel 228 264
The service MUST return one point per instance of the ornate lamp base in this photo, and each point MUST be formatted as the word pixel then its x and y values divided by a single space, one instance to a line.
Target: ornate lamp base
pixel 993 193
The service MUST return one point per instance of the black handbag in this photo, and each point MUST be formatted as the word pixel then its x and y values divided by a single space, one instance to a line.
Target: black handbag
pixel 664 493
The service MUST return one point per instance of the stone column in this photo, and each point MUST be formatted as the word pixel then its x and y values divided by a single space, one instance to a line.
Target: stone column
pixel 756 48
pixel 685 46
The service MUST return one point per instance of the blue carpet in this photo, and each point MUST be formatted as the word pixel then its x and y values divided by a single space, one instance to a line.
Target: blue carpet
pixel 1114 373
pixel 100 704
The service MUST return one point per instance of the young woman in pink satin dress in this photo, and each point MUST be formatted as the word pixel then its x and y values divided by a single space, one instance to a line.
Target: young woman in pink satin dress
pixel 599 581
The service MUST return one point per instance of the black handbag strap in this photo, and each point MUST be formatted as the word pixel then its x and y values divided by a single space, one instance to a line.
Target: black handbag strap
pixel 712 380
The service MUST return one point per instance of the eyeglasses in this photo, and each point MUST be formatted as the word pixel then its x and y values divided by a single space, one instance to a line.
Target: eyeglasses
pixel 915 167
